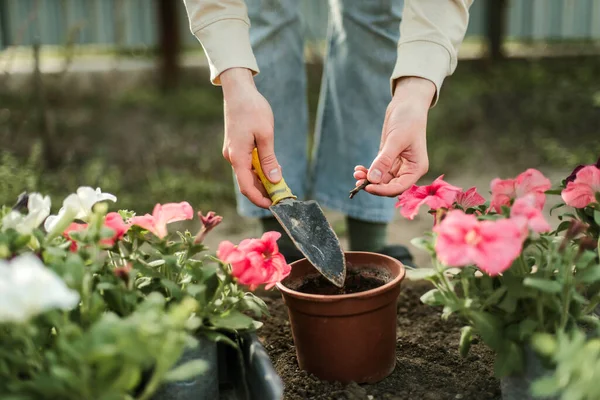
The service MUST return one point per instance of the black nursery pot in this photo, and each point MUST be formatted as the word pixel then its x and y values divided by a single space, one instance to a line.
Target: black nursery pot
pixel 245 373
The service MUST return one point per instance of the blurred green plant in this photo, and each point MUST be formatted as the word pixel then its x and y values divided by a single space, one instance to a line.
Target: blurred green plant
pixel 577 361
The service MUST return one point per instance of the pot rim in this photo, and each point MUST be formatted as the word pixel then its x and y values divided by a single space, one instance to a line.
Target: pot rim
pixel 360 295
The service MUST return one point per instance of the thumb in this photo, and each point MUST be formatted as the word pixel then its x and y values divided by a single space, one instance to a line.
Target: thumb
pixel 268 161
pixel 384 161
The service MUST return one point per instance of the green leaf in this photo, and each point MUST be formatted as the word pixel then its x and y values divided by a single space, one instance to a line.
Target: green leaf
pixel 254 304
pixel 553 191
pixel 186 371
pixel 526 328
pixel 172 286
pixel 420 274
pixel 586 259
pixel 544 343
pixel 423 243
pixel 557 206
pixel 218 337
pixel 488 327
pixel 508 303
pixel 105 286
pixel 591 320
pixel 597 217
pixel 589 275
pixel 433 298
pixel 509 360
pixel 543 285
pixel 563 226
pixel 232 320
pixel 466 333
pixel 547 386
pixel 106 232
pixel 495 296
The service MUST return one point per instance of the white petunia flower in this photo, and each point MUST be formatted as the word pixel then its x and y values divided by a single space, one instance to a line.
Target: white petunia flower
pixel 28 288
pixel 78 205
pixel 38 210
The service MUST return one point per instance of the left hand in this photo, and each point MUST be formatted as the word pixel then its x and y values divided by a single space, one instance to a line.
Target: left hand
pixel 402 158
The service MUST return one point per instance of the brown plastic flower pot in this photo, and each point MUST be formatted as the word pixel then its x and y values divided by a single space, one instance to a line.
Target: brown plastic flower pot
pixel 345 335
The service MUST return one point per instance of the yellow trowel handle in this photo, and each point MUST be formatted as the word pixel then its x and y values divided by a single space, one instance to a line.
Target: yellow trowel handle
pixel 277 191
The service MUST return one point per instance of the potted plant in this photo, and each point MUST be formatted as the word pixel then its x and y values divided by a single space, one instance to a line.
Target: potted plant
pixel 504 271
pixel 60 337
pixel 130 258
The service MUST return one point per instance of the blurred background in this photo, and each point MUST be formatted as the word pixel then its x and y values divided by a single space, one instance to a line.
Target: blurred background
pixel 116 94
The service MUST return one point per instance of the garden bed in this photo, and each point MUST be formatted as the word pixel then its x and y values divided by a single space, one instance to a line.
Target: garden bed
pixel 428 364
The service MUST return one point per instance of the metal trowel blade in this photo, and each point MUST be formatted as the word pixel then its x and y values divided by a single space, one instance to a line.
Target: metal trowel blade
pixel 310 231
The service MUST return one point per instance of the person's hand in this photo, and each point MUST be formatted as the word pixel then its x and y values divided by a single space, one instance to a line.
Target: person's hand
pixel 248 124
pixel 402 157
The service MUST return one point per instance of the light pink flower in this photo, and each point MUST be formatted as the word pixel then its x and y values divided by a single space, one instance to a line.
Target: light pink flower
pixel 490 245
pixel 162 215
pixel 469 199
pixel 531 181
pixel 255 261
pixel 528 216
pixel 439 194
pixel 582 191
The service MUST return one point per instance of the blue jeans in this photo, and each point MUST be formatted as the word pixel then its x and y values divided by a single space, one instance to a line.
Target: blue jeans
pixel 355 91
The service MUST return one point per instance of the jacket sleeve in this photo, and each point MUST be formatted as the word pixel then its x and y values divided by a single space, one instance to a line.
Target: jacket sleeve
pixel 431 32
pixel 222 27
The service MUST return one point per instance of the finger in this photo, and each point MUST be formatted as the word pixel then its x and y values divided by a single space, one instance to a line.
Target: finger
pixel 266 154
pixel 395 187
pixel 247 180
pixel 360 175
pixel 226 154
pixel 386 158
pixel 359 182
pixel 361 168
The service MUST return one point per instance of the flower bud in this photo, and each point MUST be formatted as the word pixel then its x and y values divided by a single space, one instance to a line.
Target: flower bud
pixel 209 222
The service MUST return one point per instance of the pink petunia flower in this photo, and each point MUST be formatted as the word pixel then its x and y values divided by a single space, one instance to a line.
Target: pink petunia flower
pixel 439 194
pixel 490 245
pixel 115 222
pixel 162 215
pixel 582 191
pixel 73 227
pixel 255 261
pixel 578 168
pixel 531 181
pixel 528 216
pixel 469 199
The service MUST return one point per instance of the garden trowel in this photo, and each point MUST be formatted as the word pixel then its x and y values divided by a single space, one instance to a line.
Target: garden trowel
pixel 307 226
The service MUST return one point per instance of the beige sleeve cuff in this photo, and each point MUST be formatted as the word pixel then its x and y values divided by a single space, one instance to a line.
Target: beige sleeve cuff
pixel 423 59
pixel 226 43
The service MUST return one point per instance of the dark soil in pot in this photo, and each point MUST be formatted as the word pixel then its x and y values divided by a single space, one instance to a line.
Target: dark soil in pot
pixel 355 283
pixel 428 365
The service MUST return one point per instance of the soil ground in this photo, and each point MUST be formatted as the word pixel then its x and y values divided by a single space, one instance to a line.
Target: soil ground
pixel 428 365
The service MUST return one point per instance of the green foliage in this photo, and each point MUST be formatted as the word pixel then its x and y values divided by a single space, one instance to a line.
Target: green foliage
pixel 577 360
pixel 142 300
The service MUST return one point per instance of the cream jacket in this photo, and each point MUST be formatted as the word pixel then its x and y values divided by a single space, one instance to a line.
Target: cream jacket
pixel 431 32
